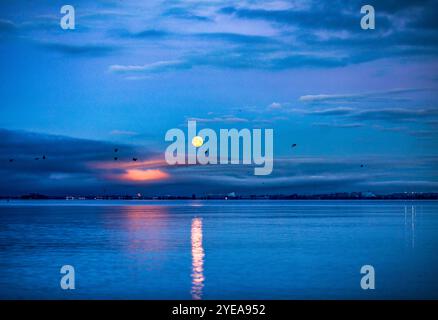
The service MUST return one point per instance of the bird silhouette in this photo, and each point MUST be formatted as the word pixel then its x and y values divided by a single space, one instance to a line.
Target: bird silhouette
pixel 115 158
pixel 361 165
pixel 11 160
pixel 134 159
pixel 116 149
pixel 294 145
pixel 44 157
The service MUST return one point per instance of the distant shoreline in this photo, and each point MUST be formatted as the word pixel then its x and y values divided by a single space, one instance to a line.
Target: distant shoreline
pixel 233 196
pixel 212 200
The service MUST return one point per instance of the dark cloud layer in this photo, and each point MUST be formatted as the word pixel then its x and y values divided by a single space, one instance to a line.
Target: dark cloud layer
pixel 89 50
pixel 403 29
pixel 67 170
pixel 66 165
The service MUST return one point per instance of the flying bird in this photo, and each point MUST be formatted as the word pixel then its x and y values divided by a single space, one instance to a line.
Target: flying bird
pixel 11 160
pixel 361 165
pixel 134 159
pixel 44 157
pixel 294 145
pixel 115 158
pixel 116 149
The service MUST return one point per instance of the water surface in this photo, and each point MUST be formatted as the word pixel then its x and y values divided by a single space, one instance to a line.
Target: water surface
pixel 218 249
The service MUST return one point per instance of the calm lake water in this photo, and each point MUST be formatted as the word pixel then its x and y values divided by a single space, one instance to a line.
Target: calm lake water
pixel 218 249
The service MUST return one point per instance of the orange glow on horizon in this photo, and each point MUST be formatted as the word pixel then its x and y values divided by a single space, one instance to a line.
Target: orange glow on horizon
pixel 133 171
pixel 144 175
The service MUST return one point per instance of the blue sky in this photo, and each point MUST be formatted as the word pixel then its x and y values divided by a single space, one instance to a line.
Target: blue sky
pixel 130 71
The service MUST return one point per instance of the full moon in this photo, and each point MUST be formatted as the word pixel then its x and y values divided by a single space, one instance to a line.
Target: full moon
pixel 197 141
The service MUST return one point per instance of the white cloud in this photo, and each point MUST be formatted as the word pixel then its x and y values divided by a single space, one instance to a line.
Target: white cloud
pixel 225 119
pixel 150 67
pixel 123 133
pixel 324 97
pixel 275 106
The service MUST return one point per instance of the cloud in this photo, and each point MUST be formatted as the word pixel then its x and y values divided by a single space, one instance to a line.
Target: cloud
pixel 396 114
pixel 273 35
pixel 265 59
pixel 425 19
pixel 355 96
pixel 406 185
pixel 71 164
pixel 313 175
pixel 183 13
pixel 337 15
pixel 158 66
pixel 391 129
pixel 81 166
pixel 234 37
pixel 89 50
pixel 317 26
pixel 221 119
pixel 275 106
pixel 27 145
pixel 331 111
pixel 394 6
pixel 144 34
pixel 408 114
pixel 424 133
pixel 311 34
pixel 338 125
pixel 7 26
pixel 123 133
pixel 147 163
pixel 8 30
pixel 314 19
pixel 420 120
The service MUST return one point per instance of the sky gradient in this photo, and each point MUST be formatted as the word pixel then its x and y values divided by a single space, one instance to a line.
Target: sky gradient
pixel 131 71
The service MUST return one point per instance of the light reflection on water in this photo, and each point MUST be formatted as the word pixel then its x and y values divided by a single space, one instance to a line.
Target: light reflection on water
pixel 197 259
pixel 144 225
